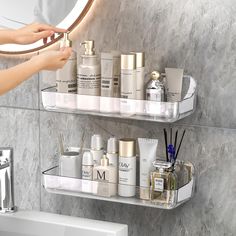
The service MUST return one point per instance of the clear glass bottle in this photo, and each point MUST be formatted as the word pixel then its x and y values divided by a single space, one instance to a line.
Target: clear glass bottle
pixel 163 182
pixel 155 90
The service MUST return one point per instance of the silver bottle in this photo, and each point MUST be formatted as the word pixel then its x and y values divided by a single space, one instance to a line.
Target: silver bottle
pixel 155 90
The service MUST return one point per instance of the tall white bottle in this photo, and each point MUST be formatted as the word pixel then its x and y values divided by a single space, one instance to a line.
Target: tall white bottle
pixel 89 72
pixel 66 78
pixel 127 168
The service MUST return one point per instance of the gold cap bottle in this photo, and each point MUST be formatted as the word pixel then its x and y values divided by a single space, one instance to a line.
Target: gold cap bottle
pixel 65 41
pixel 89 47
pixel 128 62
pixel 140 59
pixel 127 147
pixel 104 161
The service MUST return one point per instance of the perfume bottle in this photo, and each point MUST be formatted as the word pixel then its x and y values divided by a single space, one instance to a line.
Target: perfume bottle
pixel 105 179
pixel 163 182
pixel 155 90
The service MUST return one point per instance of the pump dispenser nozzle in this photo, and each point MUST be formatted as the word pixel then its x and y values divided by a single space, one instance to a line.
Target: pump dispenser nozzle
pixel 89 47
pixel 65 41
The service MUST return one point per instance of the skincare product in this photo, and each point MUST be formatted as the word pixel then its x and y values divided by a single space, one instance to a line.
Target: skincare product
pixel 110 81
pixel 96 148
pixel 174 79
pixel 128 85
pixel 87 172
pixel 155 89
pixel 89 72
pixel 147 151
pixel 106 177
pixel 112 151
pixel 163 182
pixel 127 168
pixel 140 74
pixel 87 166
pixel 128 76
pixel 70 164
pixel 66 78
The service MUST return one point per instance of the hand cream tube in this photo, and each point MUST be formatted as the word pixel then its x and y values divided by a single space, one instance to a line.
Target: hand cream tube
pixel 147 151
pixel 174 79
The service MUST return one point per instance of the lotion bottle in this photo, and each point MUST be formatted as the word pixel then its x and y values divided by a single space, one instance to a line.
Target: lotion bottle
pixel 66 78
pixel 89 72
pixel 106 177
pixel 127 168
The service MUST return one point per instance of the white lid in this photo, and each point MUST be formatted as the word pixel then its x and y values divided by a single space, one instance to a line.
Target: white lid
pixel 96 142
pixel 112 145
pixel 87 158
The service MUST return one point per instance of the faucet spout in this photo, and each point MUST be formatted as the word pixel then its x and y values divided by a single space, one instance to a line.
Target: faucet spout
pixel 6 181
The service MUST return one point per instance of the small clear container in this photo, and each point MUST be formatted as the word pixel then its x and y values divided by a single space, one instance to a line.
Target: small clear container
pixel 163 182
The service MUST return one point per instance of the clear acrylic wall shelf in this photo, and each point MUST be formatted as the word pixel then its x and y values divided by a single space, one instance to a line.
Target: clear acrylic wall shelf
pixel 53 182
pixel 123 108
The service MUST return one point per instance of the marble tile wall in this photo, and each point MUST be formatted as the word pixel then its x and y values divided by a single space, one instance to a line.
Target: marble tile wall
pixel 197 35
pixel 20 129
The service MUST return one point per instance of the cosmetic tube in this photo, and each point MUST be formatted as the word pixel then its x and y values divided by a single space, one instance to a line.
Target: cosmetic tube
pixel 147 151
pixel 110 82
pixel 174 79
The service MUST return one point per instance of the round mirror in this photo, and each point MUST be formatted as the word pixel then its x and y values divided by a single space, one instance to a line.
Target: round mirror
pixel 64 14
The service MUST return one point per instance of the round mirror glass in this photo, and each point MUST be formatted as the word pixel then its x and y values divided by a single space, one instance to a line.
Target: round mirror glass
pixel 64 14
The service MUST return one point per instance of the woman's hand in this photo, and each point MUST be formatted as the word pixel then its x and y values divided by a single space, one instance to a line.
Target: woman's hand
pixel 52 60
pixel 34 32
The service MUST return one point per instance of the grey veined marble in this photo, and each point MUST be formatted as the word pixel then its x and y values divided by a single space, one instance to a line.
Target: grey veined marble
pixel 211 150
pixel 199 36
pixel 19 129
pixel 26 95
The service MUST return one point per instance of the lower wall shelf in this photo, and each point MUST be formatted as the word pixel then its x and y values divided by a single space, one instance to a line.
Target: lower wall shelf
pixel 54 183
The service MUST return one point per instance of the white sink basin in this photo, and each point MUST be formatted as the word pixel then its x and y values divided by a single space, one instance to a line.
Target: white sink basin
pixel 31 223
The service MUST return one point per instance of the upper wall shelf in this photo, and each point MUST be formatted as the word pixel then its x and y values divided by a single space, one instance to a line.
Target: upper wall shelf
pixel 168 112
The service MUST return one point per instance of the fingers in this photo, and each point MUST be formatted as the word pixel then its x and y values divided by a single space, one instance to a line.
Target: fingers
pixel 66 53
pixel 43 27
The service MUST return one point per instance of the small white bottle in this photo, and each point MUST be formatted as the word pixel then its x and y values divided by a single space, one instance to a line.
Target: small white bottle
pixel 87 172
pixel 112 151
pixel 127 168
pixel 89 72
pixel 66 78
pixel 87 166
pixel 96 148
pixel 105 177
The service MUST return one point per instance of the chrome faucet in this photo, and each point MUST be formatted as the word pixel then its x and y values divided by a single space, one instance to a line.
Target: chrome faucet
pixel 6 181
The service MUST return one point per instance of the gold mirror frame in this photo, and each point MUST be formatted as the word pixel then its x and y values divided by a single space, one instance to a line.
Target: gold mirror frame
pixel 71 28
